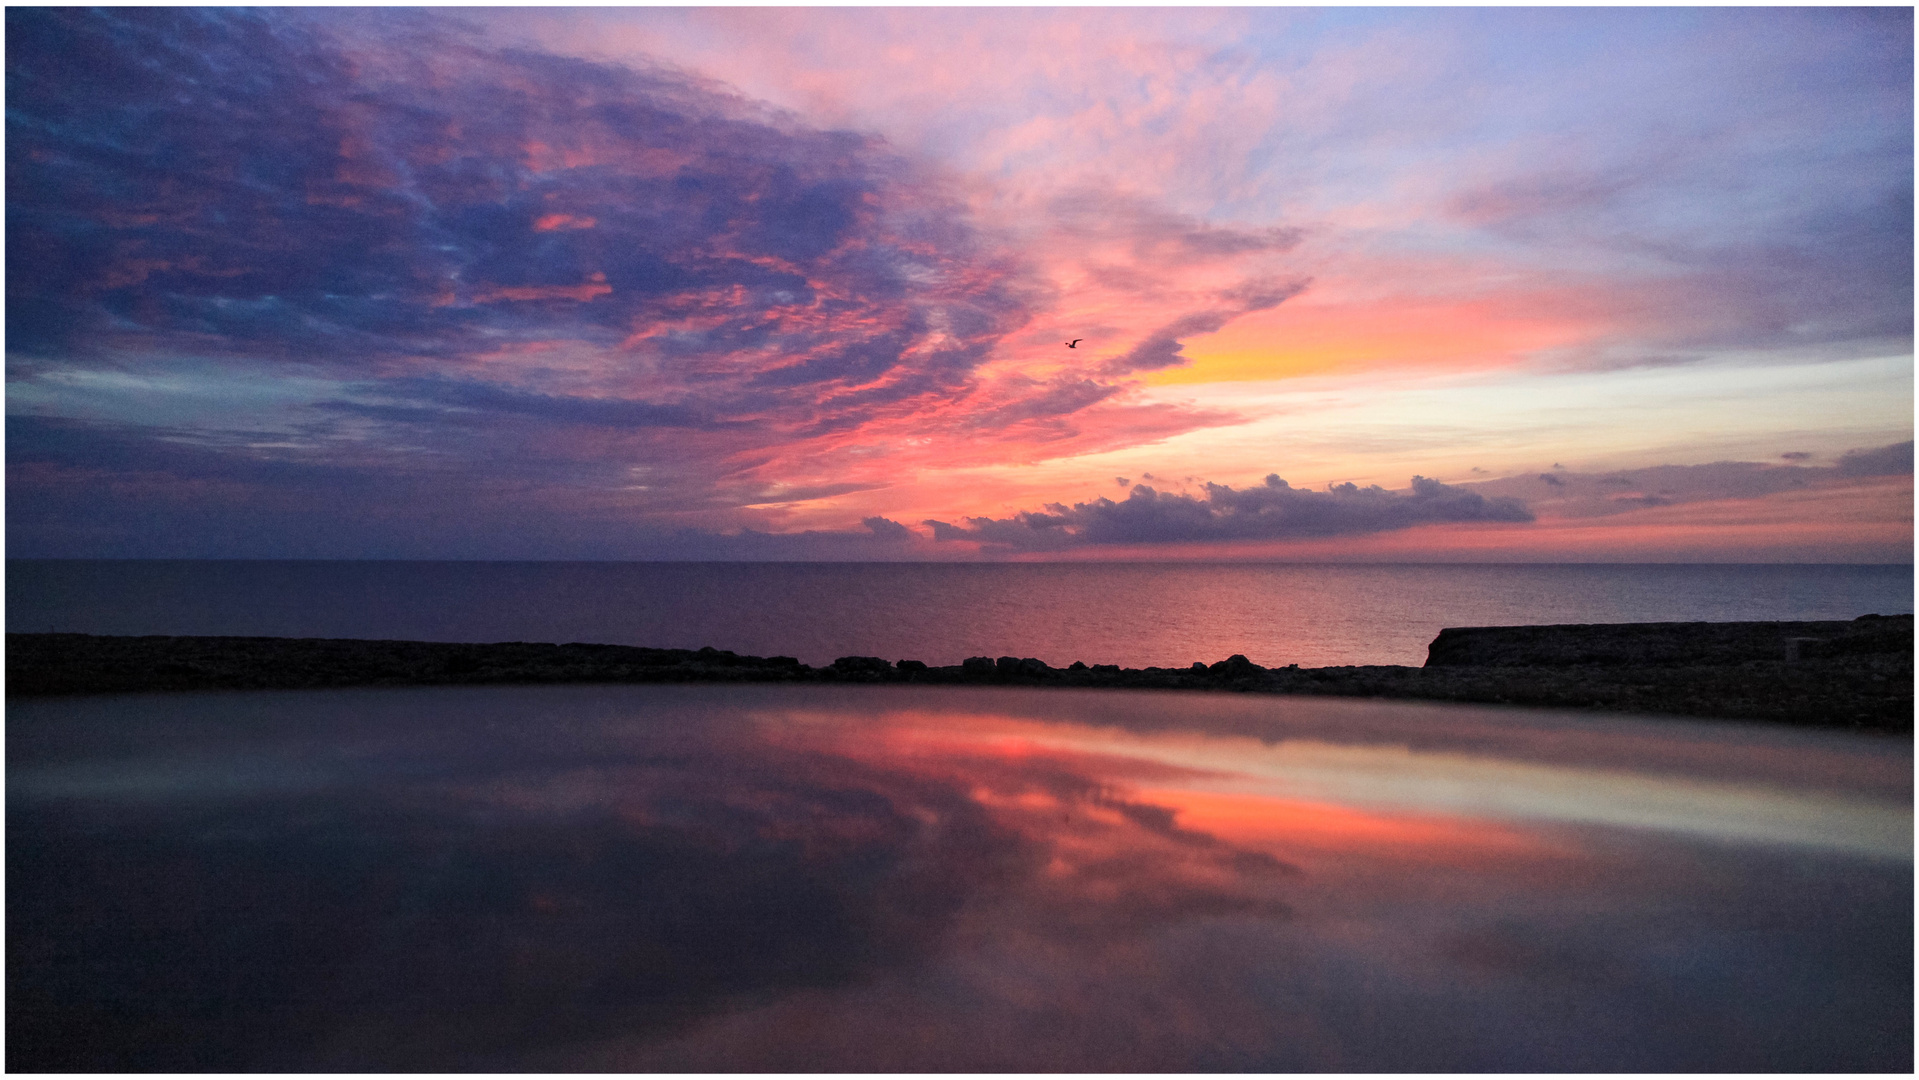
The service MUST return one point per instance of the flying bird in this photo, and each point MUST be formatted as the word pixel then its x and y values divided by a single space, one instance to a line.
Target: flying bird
pixel 1074 344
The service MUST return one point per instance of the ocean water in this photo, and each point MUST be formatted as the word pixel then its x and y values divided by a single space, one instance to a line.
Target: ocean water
pixel 767 878
pixel 1131 614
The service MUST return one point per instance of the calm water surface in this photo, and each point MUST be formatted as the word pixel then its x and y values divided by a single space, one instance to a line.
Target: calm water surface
pixel 874 878
pixel 1131 614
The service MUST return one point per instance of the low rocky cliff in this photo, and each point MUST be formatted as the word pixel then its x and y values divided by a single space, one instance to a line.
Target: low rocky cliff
pixel 1855 674
pixel 1669 644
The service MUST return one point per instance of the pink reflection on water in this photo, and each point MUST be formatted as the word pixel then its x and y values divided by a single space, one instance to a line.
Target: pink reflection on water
pixel 1128 791
pixel 1172 922
pixel 709 878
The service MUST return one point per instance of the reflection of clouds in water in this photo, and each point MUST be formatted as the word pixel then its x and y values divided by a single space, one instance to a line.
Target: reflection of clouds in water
pixel 1434 972
pixel 1770 755
pixel 495 910
pixel 1482 787
pixel 705 878
pixel 453 917
pixel 1394 777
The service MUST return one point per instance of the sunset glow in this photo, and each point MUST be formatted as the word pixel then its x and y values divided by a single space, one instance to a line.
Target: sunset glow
pixel 719 283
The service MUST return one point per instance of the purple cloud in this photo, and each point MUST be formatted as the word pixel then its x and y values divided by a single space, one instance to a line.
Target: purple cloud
pixel 252 183
pixel 1274 511
pixel 1894 460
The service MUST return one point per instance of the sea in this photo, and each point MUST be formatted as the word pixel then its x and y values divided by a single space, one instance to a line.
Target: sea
pixel 1132 614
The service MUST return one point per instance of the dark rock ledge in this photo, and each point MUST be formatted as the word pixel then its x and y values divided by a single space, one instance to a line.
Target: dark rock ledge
pixel 1855 674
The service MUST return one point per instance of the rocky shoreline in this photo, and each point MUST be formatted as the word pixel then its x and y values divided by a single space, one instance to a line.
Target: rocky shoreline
pixel 1855 674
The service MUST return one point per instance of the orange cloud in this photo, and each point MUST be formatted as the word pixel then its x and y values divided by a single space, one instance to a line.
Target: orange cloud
pixel 587 290
pixel 550 222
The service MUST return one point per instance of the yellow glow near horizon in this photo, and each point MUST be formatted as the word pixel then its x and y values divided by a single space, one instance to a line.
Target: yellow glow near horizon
pixel 1305 339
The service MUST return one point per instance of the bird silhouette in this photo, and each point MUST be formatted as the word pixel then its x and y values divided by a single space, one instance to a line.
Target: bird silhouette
pixel 1074 344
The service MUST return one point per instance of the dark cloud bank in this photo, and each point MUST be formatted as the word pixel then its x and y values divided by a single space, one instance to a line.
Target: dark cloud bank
pixel 1274 511
pixel 1278 511
pixel 1594 494
pixel 1894 460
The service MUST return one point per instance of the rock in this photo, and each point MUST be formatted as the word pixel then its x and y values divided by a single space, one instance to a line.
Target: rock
pixel 1855 674
pixel 1236 666
pixel 1659 644
pixel 862 668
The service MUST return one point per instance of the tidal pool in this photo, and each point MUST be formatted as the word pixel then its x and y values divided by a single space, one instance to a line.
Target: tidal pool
pixel 708 878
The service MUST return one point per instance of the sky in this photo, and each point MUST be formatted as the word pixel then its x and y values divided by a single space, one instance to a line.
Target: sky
pixel 1424 284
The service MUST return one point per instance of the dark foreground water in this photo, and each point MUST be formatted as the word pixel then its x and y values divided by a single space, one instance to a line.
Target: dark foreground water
pixel 1135 615
pixel 764 878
